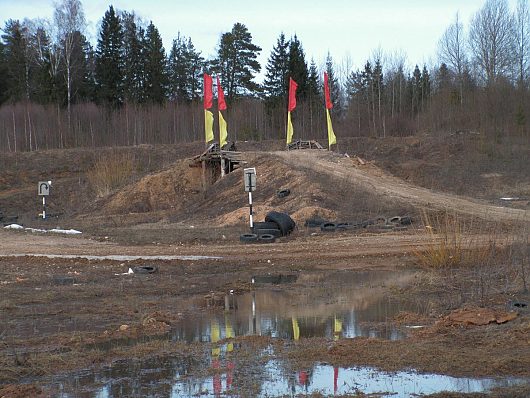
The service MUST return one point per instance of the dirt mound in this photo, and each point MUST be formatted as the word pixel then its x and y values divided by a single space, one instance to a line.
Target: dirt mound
pixel 241 216
pixel 168 189
pixel 478 316
pixel 305 213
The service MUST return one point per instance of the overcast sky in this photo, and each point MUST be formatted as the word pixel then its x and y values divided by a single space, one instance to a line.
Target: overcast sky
pixel 349 30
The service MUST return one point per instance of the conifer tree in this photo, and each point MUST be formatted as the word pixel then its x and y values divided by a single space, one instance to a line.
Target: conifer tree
pixel 276 78
pixel 17 62
pixel 185 69
pixel 109 61
pixel 3 74
pixel 298 67
pixel 156 80
pixel 133 59
pixel 237 63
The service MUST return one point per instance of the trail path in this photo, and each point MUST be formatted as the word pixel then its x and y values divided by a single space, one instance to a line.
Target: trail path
pixel 372 178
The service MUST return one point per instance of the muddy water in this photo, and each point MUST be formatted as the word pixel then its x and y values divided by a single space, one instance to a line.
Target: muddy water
pixel 355 305
pixel 170 377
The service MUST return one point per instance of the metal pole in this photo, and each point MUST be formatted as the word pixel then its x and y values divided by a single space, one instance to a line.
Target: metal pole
pixel 251 214
pixel 44 207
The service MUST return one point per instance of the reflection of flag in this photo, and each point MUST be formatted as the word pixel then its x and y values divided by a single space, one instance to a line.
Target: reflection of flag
pixel 290 107
pixel 331 134
pixel 296 329
pixel 208 103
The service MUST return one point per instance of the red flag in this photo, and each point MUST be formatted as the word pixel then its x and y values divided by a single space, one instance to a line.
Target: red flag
pixel 292 94
pixel 329 104
pixel 208 91
pixel 221 104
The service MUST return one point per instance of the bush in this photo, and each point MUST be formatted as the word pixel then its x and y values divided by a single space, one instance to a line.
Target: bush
pixel 454 243
pixel 110 171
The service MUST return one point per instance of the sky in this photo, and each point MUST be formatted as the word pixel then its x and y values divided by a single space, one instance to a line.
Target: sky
pixel 349 30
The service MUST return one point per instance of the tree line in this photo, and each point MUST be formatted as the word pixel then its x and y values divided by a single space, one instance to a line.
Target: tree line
pixel 57 91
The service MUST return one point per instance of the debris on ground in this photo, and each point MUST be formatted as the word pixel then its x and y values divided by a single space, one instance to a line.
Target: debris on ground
pixel 478 316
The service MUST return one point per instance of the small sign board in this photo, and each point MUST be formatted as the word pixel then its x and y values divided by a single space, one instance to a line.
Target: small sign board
pixel 44 188
pixel 249 177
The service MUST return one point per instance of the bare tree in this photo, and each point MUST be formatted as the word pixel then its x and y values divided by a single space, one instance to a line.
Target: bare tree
pixel 522 40
pixel 69 18
pixel 491 38
pixel 452 52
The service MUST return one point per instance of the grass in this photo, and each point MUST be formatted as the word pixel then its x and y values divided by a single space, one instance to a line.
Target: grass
pixel 455 243
pixel 110 171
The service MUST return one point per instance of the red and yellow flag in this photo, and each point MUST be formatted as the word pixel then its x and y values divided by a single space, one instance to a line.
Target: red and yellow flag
pixel 208 103
pixel 221 106
pixel 290 107
pixel 332 139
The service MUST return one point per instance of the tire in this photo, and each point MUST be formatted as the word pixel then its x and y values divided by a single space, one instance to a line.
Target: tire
pixel 314 222
pixel 268 231
pixel 328 227
pixel 248 238
pixel 394 220
pixel 284 222
pixel 145 269
pixel 264 225
pixel 406 220
pixel 266 238
pixel 282 193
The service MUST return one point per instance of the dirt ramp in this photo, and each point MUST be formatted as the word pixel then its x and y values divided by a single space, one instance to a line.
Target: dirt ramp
pixel 168 189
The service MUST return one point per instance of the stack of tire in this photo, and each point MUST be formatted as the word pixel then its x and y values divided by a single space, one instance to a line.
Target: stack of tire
pixel 276 225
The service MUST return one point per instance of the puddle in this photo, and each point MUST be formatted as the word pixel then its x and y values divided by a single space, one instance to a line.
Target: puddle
pixel 358 306
pixel 171 378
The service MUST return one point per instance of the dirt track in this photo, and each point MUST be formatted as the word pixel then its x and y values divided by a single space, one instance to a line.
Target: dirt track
pixel 372 178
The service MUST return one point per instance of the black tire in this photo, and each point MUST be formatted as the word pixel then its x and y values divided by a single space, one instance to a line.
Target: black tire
pixel 284 222
pixel 328 227
pixel 247 238
pixel 145 269
pixel 264 225
pixel 394 220
pixel 269 231
pixel 266 238
pixel 406 220
pixel 282 193
pixel 314 222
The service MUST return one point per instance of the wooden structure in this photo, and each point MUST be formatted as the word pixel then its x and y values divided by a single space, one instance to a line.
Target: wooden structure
pixel 304 144
pixel 216 162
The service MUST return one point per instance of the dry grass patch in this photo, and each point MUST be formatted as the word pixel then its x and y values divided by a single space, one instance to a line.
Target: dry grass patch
pixel 110 171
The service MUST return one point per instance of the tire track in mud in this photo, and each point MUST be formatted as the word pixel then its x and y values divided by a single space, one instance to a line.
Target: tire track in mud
pixel 371 178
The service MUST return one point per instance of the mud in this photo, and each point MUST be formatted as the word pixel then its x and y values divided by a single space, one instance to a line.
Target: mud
pixel 355 305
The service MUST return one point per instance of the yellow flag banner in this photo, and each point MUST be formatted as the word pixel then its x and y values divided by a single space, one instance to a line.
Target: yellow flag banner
pixel 223 133
pixel 208 125
pixel 289 129
pixel 331 135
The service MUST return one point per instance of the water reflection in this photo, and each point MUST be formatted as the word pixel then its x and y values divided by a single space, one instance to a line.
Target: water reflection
pixel 359 306
pixel 174 379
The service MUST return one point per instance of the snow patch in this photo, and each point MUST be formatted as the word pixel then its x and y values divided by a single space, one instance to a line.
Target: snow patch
pixel 54 230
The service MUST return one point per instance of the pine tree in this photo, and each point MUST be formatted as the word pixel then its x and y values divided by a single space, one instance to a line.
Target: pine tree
pixel 133 59
pixel 415 90
pixel 17 62
pixel 3 74
pixel 276 78
pixel 185 69
pixel 237 63
pixel 298 67
pixel 156 80
pixel 109 61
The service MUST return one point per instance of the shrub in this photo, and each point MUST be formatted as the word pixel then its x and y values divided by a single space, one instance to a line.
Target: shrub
pixel 110 171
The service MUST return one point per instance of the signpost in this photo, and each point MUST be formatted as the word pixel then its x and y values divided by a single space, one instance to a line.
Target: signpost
pixel 249 177
pixel 43 190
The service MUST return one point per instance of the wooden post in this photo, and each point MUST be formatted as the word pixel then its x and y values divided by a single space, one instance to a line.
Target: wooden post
pixel 204 175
